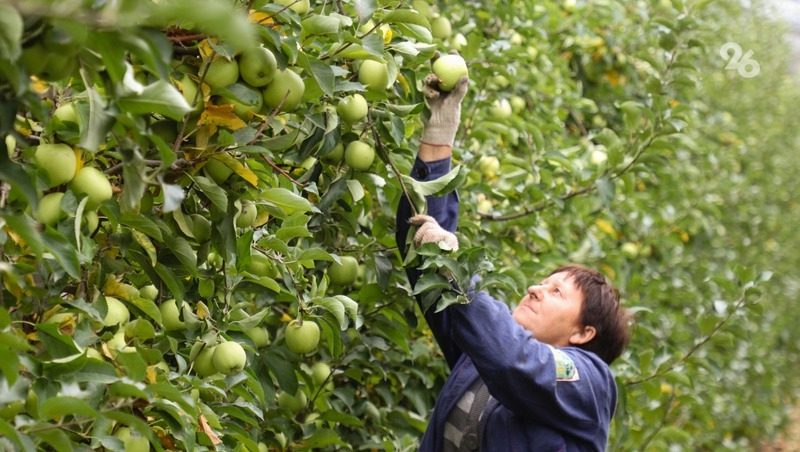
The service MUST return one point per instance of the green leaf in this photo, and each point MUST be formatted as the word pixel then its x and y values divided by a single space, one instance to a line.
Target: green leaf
pixel 335 307
pixel 57 344
pixel 16 176
pixel 100 122
pixel 364 9
pixel 214 193
pixel 322 73
pixel 319 25
pixel 55 408
pixel 141 223
pixel 173 283
pixel 10 32
pixel 287 201
pixel 63 251
pixel 322 438
pixel 406 16
pixel 28 230
pixel 439 186
pixel 158 97
pixel 431 281
pixel 55 438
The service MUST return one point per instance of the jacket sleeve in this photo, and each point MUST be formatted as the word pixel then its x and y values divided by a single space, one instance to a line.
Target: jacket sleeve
pixel 568 389
pixel 445 210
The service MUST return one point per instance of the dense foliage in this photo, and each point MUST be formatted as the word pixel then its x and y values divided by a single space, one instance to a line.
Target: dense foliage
pixel 189 202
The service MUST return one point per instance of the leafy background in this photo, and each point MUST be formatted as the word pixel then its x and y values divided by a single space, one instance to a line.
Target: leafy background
pixel 628 146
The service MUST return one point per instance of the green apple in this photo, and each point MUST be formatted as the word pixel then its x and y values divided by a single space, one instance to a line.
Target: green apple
pixel 49 211
pixel 441 28
pixel 117 313
pixel 352 108
pixel 458 41
pixel 217 170
pixel 489 165
pixel 450 69
pixel 247 216
pixel 229 357
pixel 501 109
pixel 302 337
pixel 259 335
pixel 598 156
pixel 222 72
pixel 149 292
pixel 91 220
pixel 299 6
pixel 58 161
pixel 517 104
pixel 201 227
pixel 359 155
pixel 132 442
pixel 94 184
pixel 11 144
pixel 335 155
pixel 292 403
pixel 188 88
pixel 257 66
pixel 204 364
pixel 171 316
pixel 259 264
pixel 66 113
pixel 344 273
pixel 374 75
pixel 630 249
pixel 286 89
pixel 320 372
pixel 246 101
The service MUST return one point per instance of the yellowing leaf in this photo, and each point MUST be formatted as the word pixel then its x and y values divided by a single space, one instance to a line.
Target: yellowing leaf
pixel 205 48
pixel 151 374
pixel 237 167
pixel 605 226
pixel 209 431
pixel 146 244
pixel 202 311
pixel 614 78
pixel 221 115
pixel 262 18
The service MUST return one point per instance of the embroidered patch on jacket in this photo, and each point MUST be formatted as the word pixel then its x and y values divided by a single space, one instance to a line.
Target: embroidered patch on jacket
pixel 565 367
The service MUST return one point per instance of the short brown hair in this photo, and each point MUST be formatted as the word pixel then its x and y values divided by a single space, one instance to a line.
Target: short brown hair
pixel 600 309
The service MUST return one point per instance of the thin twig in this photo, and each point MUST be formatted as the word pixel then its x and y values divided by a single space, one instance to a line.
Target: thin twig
pixel 694 349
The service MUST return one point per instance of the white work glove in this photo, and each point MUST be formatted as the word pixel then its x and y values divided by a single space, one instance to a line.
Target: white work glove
pixel 445 110
pixel 429 231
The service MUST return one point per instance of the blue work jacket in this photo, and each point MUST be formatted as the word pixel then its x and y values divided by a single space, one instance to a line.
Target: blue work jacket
pixel 543 398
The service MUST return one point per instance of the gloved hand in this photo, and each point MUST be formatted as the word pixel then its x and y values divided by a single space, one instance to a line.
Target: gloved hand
pixel 445 109
pixel 429 231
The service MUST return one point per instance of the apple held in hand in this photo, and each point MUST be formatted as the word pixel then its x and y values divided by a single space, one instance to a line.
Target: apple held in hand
pixel 58 162
pixel 359 155
pixel 344 273
pixel 229 357
pixel 302 336
pixel 450 69
pixel 352 108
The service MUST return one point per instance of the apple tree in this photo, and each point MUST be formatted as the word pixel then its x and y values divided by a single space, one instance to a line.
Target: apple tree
pixel 197 213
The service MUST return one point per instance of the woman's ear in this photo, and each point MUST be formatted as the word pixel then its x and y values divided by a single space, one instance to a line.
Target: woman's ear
pixel 582 335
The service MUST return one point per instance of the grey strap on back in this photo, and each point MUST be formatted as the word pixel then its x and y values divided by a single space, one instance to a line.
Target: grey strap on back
pixel 471 440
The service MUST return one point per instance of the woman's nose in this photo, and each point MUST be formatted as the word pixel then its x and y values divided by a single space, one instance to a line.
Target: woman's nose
pixel 535 290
